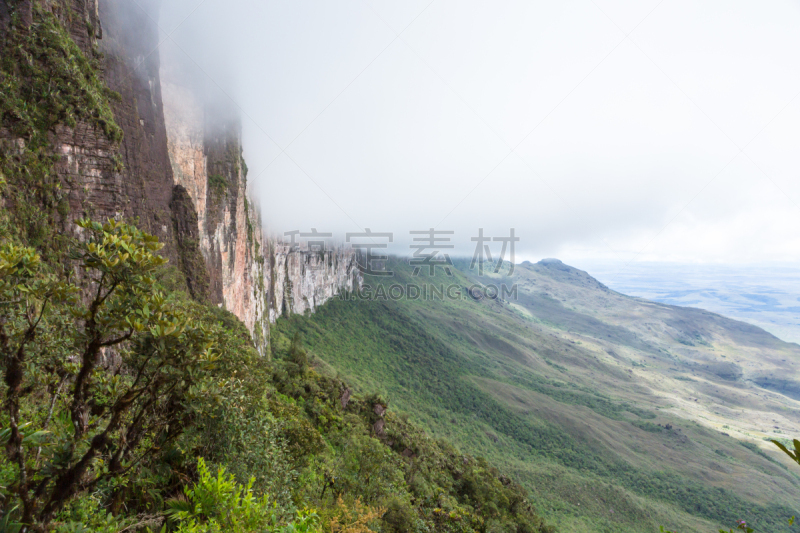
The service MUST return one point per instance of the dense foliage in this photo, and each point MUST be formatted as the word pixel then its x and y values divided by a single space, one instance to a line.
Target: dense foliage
pixel 93 383
pixel 113 388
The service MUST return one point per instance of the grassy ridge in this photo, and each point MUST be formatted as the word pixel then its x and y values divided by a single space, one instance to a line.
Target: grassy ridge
pixel 423 355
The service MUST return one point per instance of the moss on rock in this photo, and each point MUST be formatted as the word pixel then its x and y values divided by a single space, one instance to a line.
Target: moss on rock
pixel 45 81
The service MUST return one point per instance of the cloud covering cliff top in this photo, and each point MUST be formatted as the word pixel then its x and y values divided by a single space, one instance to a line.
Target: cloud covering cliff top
pixel 662 130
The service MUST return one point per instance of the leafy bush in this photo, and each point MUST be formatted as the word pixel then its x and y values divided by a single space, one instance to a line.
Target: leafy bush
pixel 647 426
pixel 399 517
pixel 217 503
pixel 249 442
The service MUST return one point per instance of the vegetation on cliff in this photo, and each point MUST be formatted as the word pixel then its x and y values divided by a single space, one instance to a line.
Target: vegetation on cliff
pixel 127 407
pixel 46 81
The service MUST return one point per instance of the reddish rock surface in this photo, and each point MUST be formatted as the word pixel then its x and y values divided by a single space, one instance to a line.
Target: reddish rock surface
pixel 178 171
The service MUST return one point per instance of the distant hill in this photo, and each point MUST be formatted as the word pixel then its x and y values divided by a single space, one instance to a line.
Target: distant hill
pixel 617 413
pixel 764 295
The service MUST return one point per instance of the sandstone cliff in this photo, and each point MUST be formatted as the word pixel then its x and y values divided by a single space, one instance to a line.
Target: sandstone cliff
pixel 177 168
pixel 256 277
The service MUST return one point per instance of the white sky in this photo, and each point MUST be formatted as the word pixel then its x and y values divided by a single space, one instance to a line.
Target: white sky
pixel 645 130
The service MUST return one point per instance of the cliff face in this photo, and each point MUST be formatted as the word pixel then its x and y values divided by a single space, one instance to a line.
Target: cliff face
pixel 81 150
pixel 226 255
pixel 177 168
pixel 143 182
pixel 256 277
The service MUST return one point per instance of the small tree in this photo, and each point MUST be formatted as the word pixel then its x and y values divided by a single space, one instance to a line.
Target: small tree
pixel 95 380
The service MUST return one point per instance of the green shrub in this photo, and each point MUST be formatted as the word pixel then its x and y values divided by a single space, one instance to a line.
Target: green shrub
pixel 648 426
pixel 217 183
pixel 399 517
pixel 248 440
pixel 217 504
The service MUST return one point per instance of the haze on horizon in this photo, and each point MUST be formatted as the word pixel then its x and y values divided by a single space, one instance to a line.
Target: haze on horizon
pixel 655 130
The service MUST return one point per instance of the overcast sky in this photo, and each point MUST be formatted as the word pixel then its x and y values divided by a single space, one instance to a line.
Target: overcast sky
pixel 599 129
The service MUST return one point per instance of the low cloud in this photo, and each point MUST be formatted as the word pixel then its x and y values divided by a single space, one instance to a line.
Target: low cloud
pixel 678 142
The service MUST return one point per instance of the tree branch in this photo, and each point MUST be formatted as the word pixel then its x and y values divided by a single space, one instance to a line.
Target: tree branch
pixel 118 340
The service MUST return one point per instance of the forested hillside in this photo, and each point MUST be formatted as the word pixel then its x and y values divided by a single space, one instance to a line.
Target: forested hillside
pixel 617 414
pixel 129 406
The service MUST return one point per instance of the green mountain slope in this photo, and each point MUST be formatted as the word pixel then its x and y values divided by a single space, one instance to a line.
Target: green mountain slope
pixel 616 413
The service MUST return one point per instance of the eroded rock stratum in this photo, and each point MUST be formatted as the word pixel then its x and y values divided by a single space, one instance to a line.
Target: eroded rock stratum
pixel 177 170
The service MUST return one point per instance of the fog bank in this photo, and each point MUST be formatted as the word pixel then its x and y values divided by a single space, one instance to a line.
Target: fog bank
pixel 616 130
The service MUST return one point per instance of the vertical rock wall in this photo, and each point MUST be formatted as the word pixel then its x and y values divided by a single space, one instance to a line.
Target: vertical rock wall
pixel 178 172
pixel 256 277
pixel 130 47
pixel 98 177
